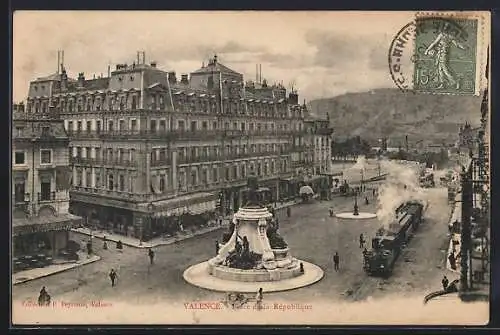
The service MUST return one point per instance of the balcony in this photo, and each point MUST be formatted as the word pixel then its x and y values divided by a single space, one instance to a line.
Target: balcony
pixel 102 162
pixel 176 135
pixel 46 197
pixel 161 162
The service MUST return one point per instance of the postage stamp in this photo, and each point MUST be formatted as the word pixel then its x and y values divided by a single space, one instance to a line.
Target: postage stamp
pixel 446 55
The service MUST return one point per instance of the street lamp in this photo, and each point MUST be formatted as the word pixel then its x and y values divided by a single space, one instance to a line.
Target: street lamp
pixel 356 209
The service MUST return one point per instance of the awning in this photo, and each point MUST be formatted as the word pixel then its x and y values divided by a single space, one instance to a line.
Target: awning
pixel 196 203
pixel 44 224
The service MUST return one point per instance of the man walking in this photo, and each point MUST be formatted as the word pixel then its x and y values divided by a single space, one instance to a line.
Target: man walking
pixel 112 276
pixel 151 255
pixel 361 241
pixel 336 261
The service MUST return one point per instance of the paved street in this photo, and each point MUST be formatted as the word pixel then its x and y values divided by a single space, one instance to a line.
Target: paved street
pixel 312 235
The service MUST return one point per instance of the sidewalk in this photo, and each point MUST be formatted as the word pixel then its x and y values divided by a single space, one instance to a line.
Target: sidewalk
pixel 159 241
pixel 32 274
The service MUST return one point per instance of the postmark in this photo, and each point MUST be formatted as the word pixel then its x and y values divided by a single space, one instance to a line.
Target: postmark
pixel 437 54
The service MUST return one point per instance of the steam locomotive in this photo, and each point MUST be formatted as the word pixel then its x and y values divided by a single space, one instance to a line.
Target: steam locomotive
pixel 388 242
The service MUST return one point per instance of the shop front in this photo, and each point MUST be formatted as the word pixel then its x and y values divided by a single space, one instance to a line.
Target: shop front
pixel 39 241
pixel 173 216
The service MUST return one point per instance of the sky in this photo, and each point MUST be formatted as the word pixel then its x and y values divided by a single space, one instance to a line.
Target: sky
pixel 322 54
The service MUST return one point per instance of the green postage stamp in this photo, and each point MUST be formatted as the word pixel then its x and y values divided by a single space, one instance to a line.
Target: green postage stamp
pixel 446 55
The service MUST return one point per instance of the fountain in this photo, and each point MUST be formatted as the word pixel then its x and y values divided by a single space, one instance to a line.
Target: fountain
pixel 253 255
pixel 356 214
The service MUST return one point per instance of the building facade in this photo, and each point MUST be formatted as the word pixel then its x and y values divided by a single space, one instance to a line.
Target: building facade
pixel 318 158
pixel 147 148
pixel 40 185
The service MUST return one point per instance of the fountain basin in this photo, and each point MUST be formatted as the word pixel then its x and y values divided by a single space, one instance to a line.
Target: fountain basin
pixel 198 275
pixel 254 275
pixel 351 216
pixel 280 254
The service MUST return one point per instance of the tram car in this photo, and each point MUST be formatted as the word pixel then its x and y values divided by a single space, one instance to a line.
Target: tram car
pixel 388 242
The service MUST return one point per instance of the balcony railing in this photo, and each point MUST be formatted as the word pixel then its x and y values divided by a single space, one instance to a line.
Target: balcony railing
pixel 46 197
pixel 175 135
pixel 102 162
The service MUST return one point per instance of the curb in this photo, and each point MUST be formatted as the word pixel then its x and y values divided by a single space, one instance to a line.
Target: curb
pixel 56 272
pixel 163 243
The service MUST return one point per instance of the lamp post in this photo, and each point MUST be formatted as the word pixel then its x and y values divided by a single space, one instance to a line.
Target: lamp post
pixel 356 209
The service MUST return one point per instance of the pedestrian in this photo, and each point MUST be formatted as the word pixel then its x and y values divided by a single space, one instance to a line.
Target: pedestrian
pixel 361 241
pixel 113 277
pixel 220 222
pixel 366 201
pixel 445 283
pixel 288 212
pixel 89 247
pixel 331 212
pixel 336 261
pixel 259 298
pixel 151 255
pixel 453 261
pixel 216 247
pixel 301 267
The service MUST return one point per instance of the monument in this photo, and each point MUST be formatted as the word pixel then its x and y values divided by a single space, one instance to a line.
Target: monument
pixel 253 254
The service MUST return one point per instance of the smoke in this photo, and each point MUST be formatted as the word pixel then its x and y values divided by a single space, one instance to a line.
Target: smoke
pixel 360 163
pixel 402 185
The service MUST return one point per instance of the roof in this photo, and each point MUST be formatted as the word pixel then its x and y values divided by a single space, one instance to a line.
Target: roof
pixel 97 84
pixel 215 67
pixel 35 129
pixel 54 76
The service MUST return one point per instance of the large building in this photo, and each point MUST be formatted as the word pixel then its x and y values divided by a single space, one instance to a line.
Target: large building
pixel 40 186
pixel 318 156
pixel 147 148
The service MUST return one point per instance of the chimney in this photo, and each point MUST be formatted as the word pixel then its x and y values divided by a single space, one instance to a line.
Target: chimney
pixel 153 64
pixel 81 79
pixel 184 79
pixel 293 98
pixel 172 79
pixel 64 79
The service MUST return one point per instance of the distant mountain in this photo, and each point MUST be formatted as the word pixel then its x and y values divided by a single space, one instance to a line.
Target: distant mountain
pixel 394 114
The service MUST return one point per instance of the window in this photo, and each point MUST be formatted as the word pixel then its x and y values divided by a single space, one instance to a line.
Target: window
pixel 19 158
pixel 121 125
pixel 122 182
pixel 242 126
pixel 162 183
pixel 19 191
pixel 89 126
pixel 204 125
pixel 79 126
pixel 19 131
pixel 180 125
pixel 88 177
pixel 133 125
pixel 132 155
pixel 214 125
pixel 98 179
pixel 163 125
pixel 193 178
pixel 193 125
pixel 152 125
pixel 163 155
pixel 215 174
pixel 45 190
pixel 110 125
pixel 131 185
pixel 204 179
pixel 110 182
pixel 45 156
pixel 134 102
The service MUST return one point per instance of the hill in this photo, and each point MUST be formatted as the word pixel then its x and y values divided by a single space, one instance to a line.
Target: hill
pixel 394 114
